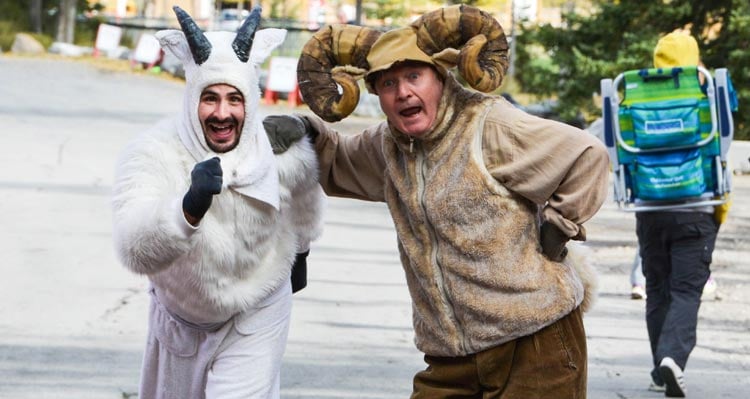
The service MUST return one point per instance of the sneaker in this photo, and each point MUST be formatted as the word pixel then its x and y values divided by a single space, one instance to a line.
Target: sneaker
pixel 637 292
pixel 654 387
pixel 709 290
pixel 671 374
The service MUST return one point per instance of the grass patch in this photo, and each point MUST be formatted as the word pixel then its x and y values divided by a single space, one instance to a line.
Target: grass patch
pixel 7 34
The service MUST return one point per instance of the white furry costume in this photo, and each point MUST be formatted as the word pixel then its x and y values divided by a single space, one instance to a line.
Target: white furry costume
pixel 240 255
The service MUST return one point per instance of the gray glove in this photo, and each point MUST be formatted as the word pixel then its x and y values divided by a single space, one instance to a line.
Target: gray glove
pixel 285 130
pixel 553 242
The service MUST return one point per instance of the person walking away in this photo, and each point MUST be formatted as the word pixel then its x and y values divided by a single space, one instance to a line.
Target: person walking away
pixel 676 248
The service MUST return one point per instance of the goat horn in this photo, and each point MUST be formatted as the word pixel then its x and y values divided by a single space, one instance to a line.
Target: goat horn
pixel 483 57
pixel 319 80
pixel 200 47
pixel 245 35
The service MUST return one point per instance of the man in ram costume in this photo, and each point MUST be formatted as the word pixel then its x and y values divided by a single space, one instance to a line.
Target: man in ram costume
pixel 484 197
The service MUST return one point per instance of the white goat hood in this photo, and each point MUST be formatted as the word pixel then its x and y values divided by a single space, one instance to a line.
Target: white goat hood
pixel 249 168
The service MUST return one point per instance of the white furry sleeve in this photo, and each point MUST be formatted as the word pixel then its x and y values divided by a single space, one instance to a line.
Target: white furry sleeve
pixel 308 215
pixel 149 229
pixel 298 168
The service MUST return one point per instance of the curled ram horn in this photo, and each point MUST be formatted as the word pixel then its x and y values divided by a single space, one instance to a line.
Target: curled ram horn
pixel 245 35
pixel 332 58
pixel 199 45
pixel 483 57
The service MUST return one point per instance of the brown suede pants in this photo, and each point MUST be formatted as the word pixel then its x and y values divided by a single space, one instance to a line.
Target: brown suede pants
pixel 550 364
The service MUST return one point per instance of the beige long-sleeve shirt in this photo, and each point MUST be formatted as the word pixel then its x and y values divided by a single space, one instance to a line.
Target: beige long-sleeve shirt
pixel 465 200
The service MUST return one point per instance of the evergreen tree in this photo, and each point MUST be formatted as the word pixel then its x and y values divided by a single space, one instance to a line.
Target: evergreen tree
pixel 568 62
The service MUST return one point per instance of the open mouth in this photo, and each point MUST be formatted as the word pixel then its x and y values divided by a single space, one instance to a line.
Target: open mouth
pixel 222 130
pixel 411 111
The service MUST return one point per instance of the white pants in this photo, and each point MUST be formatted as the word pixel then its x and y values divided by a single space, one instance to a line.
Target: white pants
pixel 242 359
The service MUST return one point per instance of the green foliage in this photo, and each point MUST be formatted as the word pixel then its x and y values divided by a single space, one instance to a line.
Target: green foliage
pixel 85 34
pixel 474 3
pixel 44 40
pixel 568 62
pixel 15 12
pixel 735 52
pixel 386 11
pixel 15 17
pixel 8 31
pixel 283 9
pixel 487 5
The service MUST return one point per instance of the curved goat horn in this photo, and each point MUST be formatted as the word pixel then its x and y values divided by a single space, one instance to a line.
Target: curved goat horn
pixel 483 57
pixel 332 46
pixel 244 39
pixel 200 47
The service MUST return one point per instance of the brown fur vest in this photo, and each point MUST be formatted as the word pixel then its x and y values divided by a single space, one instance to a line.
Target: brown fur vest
pixel 469 247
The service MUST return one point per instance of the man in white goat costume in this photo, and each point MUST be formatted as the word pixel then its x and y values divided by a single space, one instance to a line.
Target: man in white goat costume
pixel 204 208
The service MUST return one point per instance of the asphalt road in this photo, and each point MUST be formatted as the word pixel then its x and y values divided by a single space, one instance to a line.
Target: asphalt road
pixel 72 320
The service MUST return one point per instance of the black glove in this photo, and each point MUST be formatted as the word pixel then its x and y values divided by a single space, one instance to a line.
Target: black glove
pixel 553 242
pixel 299 271
pixel 285 130
pixel 206 179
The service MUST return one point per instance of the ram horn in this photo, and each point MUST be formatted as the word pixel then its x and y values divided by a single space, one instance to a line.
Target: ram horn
pixel 245 35
pixel 333 57
pixel 483 57
pixel 199 45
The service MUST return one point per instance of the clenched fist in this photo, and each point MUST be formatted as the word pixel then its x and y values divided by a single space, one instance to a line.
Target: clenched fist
pixel 206 179
pixel 553 242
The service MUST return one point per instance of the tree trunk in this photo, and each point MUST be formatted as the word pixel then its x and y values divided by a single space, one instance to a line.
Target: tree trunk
pixel 512 66
pixel 66 21
pixel 358 14
pixel 35 13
